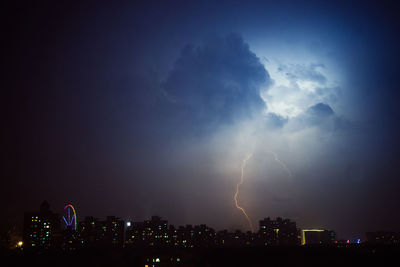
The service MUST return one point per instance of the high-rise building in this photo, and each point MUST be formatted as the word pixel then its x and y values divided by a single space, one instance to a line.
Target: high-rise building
pixel 101 233
pixel 114 232
pixel 150 233
pixel 42 230
pixel 278 232
pixel 91 232
pixel 156 233
pixel 317 237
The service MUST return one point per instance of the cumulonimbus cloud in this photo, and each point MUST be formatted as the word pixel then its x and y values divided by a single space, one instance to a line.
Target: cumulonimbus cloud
pixel 221 81
pixel 217 82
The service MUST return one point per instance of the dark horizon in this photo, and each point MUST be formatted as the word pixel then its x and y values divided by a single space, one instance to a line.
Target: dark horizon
pixel 140 108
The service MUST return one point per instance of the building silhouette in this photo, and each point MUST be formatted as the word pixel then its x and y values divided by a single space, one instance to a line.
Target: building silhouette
pixel 149 233
pixel 114 229
pixel 93 232
pixel 281 232
pixel 317 237
pixel 90 232
pixel 42 230
pixel 157 233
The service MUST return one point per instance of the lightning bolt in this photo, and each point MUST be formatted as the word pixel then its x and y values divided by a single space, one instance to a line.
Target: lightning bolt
pixel 237 192
pixel 281 163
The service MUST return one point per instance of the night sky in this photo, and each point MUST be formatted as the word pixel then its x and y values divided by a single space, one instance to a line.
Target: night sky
pixel 149 108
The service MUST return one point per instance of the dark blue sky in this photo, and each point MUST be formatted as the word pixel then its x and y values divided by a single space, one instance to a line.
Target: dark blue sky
pixel 135 109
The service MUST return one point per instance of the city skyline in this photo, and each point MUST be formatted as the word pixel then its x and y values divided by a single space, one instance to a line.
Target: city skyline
pixel 46 230
pixel 156 242
pixel 75 224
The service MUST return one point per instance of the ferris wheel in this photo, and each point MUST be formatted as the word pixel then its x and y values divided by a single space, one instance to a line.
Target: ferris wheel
pixel 70 216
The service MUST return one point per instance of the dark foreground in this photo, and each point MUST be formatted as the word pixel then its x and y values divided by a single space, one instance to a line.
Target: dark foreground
pixel 271 256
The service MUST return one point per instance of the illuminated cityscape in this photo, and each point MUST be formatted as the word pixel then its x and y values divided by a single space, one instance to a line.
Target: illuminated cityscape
pixel 155 242
pixel 45 230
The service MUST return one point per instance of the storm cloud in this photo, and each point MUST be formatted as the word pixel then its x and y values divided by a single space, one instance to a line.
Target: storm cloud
pixel 215 83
